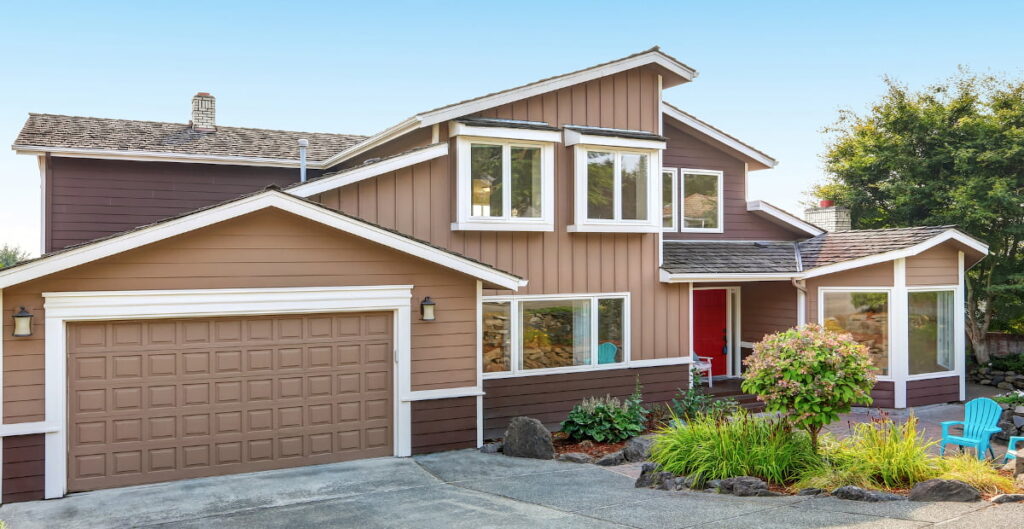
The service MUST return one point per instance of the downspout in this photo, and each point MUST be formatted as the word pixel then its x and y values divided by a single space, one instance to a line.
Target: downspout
pixel 801 288
pixel 303 144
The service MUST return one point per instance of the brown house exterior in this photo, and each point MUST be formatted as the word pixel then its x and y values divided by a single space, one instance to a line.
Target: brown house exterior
pixel 507 255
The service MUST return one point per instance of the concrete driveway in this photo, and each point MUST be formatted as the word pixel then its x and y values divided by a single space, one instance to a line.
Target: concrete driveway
pixel 466 489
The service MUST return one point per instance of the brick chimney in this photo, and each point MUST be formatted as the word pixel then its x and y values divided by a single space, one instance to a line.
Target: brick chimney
pixel 829 216
pixel 204 111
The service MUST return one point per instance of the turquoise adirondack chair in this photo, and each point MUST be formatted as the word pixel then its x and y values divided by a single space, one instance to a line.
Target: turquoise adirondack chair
pixel 606 353
pixel 980 419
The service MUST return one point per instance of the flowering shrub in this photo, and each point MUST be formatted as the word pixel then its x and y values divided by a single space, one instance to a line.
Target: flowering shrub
pixel 607 419
pixel 809 374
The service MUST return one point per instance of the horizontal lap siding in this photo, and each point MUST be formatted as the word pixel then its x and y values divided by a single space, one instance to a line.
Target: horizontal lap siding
pixel 419 201
pixel 937 266
pixel 265 249
pixel 23 468
pixel 548 398
pixel 933 391
pixel 884 395
pixel 443 424
pixel 89 199
pixel 685 151
pixel 766 307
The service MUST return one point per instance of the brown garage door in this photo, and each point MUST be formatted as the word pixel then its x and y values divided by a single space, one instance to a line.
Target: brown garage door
pixel 160 400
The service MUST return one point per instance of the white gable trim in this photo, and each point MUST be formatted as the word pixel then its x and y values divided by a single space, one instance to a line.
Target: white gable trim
pixel 149 156
pixel 783 217
pixel 276 199
pixel 360 173
pixel 717 135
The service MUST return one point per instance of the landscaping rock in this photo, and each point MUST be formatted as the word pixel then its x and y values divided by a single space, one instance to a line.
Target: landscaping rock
pixel 715 484
pixel 1008 498
pixel 527 437
pixel 810 491
pixel 1018 421
pixel 491 448
pixel 638 448
pixel 743 486
pixel 585 444
pixel 849 492
pixel 665 481
pixel 1004 385
pixel 1020 481
pixel 610 460
pixel 944 490
pixel 1019 410
pixel 768 494
pixel 576 457
pixel 1008 430
pixel 684 482
pixel 647 474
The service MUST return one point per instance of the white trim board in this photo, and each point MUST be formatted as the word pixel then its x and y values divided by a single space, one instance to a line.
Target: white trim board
pixel 267 199
pixel 782 217
pixel 150 156
pixel 64 307
pixel 363 172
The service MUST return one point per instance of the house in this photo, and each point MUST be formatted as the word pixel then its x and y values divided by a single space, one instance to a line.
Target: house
pixel 217 300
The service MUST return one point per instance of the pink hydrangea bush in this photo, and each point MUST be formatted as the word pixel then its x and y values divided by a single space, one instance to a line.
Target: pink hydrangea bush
pixel 810 375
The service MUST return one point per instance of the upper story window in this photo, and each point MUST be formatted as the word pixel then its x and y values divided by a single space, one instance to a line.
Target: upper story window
pixel 701 207
pixel 617 188
pixel 505 177
pixel 669 191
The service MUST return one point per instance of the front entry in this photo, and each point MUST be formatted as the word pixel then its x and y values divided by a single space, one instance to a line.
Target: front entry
pixel 710 328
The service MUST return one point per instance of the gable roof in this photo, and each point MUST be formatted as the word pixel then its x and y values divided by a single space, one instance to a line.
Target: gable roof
pixel 691 122
pixel 102 137
pixel 369 169
pixel 269 198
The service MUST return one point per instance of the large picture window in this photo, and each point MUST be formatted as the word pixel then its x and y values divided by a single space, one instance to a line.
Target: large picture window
pixel 505 185
pixel 531 334
pixel 930 331
pixel 863 314
pixel 701 208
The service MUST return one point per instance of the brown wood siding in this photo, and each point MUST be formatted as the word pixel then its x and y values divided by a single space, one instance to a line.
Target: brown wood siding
pixel 88 199
pixel 419 201
pixel 685 151
pixel 933 391
pixel 766 307
pixel 548 398
pixel 443 424
pixel 23 468
pixel 937 266
pixel 879 275
pixel 883 395
pixel 268 248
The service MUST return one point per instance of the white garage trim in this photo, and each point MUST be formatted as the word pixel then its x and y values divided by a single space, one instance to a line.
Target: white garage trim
pixel 64 307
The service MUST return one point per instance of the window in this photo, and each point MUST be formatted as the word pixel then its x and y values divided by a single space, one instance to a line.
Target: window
pixel 701 208
pixel 668 199
pixel 617 190
pixel 531 334
pixel 930 331
pixel 865 315
pixel 505 185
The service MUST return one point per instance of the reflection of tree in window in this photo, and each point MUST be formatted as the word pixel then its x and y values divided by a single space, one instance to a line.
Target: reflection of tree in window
pixel 485 171
pixel 700 201
pixel 865 315
pixel 634 186
pixel 600 185
pixel 525 181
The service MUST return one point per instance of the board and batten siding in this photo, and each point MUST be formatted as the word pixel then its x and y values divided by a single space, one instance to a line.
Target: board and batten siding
pixel 88 199
pixel 419 201
pixel 264 249
pixel 934 267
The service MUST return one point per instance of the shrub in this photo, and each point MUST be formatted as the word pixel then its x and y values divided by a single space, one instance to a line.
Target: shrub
pixel 696 401
pixel 607 419
pixel 978 473
pixel 1008 363
pixel 1013 398
pixel 708 448
pixel 810 374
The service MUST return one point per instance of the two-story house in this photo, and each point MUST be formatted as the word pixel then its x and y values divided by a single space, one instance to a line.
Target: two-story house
pixel 216 299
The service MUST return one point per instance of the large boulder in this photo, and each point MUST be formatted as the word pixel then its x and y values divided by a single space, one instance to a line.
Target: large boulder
pixel 638 448
pixel 610 460
pixel 944 490
pixel 849 492
pixel 526 437
pixel 743 486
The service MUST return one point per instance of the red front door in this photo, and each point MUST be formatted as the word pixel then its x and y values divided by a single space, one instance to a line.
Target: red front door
pixel 709 328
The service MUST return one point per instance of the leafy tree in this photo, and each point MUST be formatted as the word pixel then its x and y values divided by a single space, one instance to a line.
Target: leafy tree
pixel 952 153
pixel 10 255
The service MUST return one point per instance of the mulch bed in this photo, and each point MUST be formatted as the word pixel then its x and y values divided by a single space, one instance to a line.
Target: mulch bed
pixel 564 445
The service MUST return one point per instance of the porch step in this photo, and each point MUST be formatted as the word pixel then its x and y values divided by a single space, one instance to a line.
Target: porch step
pixel 729 388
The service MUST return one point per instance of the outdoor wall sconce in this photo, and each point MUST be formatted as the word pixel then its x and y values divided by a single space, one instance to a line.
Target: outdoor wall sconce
pixel 427 309
pixel 23 323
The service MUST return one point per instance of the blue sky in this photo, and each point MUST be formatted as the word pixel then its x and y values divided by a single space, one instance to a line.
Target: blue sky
pixel 771 73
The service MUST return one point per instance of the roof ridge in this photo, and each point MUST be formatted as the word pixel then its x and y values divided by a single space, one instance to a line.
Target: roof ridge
pixel 233 127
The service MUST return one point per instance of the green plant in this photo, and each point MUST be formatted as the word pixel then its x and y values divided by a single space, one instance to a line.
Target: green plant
pixel 607 419
pixel 1013 398
pixel 809 374
pixel 1008 363
pixel 978 473
pixel 11 255
pixel 696 401
pixel 709 447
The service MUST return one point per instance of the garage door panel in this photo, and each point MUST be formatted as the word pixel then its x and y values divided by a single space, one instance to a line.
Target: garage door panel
pixel 171 399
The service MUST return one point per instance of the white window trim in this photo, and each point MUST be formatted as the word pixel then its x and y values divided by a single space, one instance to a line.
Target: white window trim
pixel 504 133
pixel 516 336
pixel 889 321
pixel 583 224
pixel 675 198
pixel 63 307
pixel 575 137
pixel 721 200
pixel 464 181
pixel 956 354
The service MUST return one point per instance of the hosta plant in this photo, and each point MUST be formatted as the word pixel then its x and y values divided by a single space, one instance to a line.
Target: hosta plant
pixel 607 419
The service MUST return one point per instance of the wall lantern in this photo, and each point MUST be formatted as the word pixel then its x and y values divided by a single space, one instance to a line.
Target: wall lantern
pixel 427 309
pixel 23 323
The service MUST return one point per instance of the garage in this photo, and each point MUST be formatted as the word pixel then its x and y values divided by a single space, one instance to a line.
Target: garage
pixel 166 399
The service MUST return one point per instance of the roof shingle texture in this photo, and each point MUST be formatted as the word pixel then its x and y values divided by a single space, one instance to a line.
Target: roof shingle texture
pixel 73 132
pixel 837 246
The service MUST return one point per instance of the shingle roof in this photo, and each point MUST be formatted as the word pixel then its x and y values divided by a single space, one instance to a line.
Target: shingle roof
pixel 74 132
pixel 837 246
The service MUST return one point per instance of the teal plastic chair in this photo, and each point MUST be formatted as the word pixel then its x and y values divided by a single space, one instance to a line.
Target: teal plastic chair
pixel 606 353
pixel 980 419
pixel 1010 447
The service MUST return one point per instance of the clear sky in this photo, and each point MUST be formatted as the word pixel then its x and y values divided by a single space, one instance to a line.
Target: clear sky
pixel 771 73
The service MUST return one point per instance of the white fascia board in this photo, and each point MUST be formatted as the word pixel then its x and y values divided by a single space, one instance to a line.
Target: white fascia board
pixel 146 156
pixel 357 174
pixel 668 277
pixel 380 138
pixel 505 133
pixel 718 135
pixel 575 137
pixel 784 217
pixel 98 250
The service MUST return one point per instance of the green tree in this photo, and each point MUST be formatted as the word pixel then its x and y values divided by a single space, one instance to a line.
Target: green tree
pixel 952 153
pixel 10 255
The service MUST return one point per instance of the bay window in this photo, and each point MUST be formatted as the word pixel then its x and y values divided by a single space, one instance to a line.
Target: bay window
pixel 530 334
pixel 930 331
pixel 865 315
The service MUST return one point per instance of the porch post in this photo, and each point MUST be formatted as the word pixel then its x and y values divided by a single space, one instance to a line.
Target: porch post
pixel 959 342
pixel 898 343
